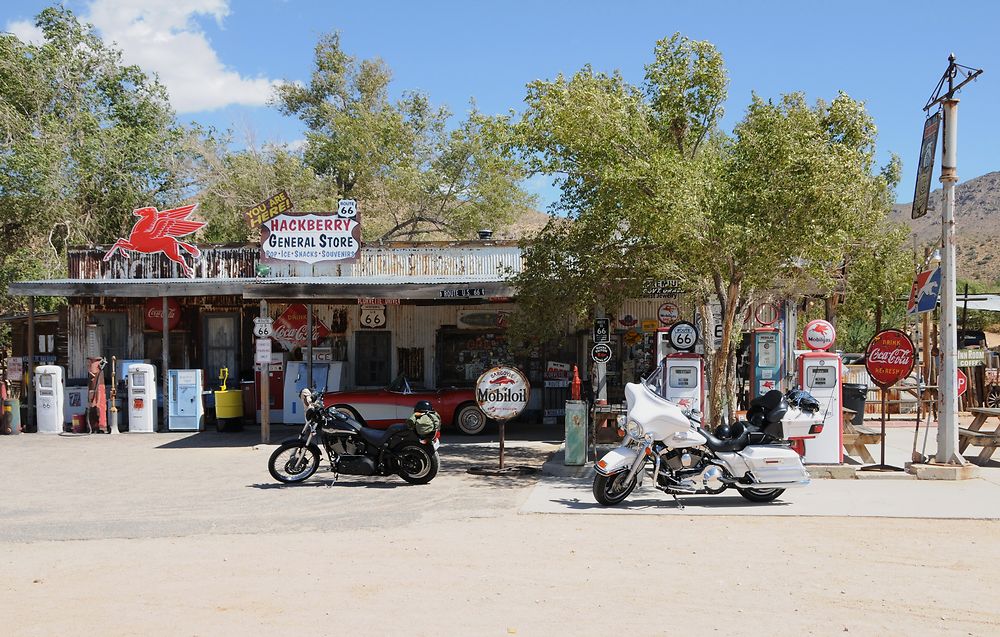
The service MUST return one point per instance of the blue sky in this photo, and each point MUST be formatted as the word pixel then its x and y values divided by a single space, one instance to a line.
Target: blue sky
pixel 219 57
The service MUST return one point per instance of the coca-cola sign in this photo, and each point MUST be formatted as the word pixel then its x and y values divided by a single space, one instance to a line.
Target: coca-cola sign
pixel 154 314
pixel 291 329
pixel 889 357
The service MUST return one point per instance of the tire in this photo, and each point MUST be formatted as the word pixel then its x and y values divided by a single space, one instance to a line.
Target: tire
pixel 417 465
pixel 993 398
pixel 293 462
pixel 610 490
pixel 350 411
pixel 470 420
pixel 761 495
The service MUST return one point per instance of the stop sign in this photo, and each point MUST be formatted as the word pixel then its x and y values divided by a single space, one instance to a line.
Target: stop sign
pixel 963 382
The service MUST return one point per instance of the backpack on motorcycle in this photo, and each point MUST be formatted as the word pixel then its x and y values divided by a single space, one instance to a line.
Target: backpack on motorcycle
pixel 803 400
pixel 426 424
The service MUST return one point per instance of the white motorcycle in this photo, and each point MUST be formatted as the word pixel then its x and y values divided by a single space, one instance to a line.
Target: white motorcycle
pixel 752 457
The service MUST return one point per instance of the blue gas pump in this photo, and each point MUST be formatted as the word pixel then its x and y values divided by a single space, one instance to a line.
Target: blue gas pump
pixel 185 412
pixel 766 360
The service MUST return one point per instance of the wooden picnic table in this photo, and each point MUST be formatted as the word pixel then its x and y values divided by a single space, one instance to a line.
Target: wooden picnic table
pixel 855 438
pixel 975 436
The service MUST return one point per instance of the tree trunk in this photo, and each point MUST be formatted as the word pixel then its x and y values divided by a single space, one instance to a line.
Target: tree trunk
pixel 720 390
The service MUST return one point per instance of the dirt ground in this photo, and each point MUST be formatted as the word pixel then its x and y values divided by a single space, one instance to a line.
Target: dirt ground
pixel 217 553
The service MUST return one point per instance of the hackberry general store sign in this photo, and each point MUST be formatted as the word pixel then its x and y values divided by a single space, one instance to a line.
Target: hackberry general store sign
pixel 311 237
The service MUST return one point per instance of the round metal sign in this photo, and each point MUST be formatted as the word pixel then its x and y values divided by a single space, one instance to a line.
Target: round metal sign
pixel 502 392
pixel 683 336
pixel 668 314
pixel 601 353
pixel 819 335
pixel 889 357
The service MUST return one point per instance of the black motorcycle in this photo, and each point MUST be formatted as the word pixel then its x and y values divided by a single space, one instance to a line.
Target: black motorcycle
pixel 352 448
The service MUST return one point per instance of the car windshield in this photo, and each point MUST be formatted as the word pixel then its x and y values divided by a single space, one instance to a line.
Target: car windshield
pixel 400 385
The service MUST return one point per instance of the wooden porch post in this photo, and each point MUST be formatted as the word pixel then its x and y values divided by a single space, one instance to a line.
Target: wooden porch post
pixel 29 386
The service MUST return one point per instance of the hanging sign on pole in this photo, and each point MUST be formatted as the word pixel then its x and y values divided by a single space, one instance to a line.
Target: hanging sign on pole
pixel 925 168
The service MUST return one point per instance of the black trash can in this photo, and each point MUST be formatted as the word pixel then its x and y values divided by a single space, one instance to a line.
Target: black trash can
pixel 853 396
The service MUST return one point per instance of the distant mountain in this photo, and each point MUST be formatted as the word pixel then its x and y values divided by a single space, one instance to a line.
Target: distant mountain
pixel 977 226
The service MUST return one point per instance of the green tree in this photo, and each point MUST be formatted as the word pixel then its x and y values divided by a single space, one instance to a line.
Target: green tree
pixel 654 190
pixel 235 181
pixel 413 176
pixel 86 139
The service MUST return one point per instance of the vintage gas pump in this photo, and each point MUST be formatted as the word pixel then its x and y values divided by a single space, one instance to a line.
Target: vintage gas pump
pixel 49 394
pixel 185 411
pixel 141 398
pixel 766 367
pixel 684 380
pixel 820 375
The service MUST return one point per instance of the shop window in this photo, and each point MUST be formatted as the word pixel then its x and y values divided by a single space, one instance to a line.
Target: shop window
pixel 411 363
pixel 465 354
pixel 221 339
pixel 372 358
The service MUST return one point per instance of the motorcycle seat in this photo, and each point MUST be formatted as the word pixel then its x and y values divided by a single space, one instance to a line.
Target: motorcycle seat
pixel 378 437
pixel 769 408
pixel 737 443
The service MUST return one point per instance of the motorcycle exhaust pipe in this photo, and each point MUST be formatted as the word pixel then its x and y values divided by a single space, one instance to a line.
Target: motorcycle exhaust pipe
pixel 767 485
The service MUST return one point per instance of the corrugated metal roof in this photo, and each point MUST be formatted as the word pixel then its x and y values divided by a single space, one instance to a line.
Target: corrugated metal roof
pixel 396 286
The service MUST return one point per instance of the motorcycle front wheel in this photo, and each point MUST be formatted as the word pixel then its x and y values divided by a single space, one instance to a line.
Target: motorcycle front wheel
pixel 761 495
pixel 417 464
pixel 609 490
pixel 293 462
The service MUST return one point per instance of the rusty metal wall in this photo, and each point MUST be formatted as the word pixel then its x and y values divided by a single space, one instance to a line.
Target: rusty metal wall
pixel 410 325
pixel 241 262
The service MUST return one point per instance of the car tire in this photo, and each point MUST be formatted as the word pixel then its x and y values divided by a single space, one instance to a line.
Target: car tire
pixel 350 411
pixel 470 419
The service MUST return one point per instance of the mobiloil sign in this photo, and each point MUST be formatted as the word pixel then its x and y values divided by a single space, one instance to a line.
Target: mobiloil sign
pixel 502 393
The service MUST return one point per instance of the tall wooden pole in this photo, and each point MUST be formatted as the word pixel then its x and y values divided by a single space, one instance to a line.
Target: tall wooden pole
pixel 165 368
pixel 29 386
pixel 265 390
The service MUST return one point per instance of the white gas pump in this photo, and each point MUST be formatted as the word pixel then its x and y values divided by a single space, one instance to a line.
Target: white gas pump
pixel 49 396
pixel 820 374
pixel 141 398
pixel 684 380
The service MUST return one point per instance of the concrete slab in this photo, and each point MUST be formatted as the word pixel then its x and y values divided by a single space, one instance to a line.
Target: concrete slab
pixel 970 499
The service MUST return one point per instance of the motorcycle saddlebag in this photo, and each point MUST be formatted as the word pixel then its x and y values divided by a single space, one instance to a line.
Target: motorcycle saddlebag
pixel 772 463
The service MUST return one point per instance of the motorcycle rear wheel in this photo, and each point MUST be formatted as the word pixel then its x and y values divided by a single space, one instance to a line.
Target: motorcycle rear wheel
pixel 610 490
pixel 417 465
pixel 293 462
pixel 761 495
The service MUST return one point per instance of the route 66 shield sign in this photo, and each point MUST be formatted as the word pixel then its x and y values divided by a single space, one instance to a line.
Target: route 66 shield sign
pixel 372 316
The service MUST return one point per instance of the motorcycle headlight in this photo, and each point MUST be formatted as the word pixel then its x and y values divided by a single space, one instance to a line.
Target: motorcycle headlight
pixel 634 430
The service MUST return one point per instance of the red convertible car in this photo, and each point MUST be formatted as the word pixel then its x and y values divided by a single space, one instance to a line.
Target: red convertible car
pixel 380 408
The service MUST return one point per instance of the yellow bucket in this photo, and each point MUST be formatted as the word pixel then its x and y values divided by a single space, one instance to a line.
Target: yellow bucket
pixel 229 404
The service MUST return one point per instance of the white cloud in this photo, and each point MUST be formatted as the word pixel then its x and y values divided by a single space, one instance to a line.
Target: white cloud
pixel 162 36
pixel 26 31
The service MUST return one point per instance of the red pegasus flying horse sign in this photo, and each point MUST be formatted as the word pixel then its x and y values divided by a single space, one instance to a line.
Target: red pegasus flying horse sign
pixel 157 231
